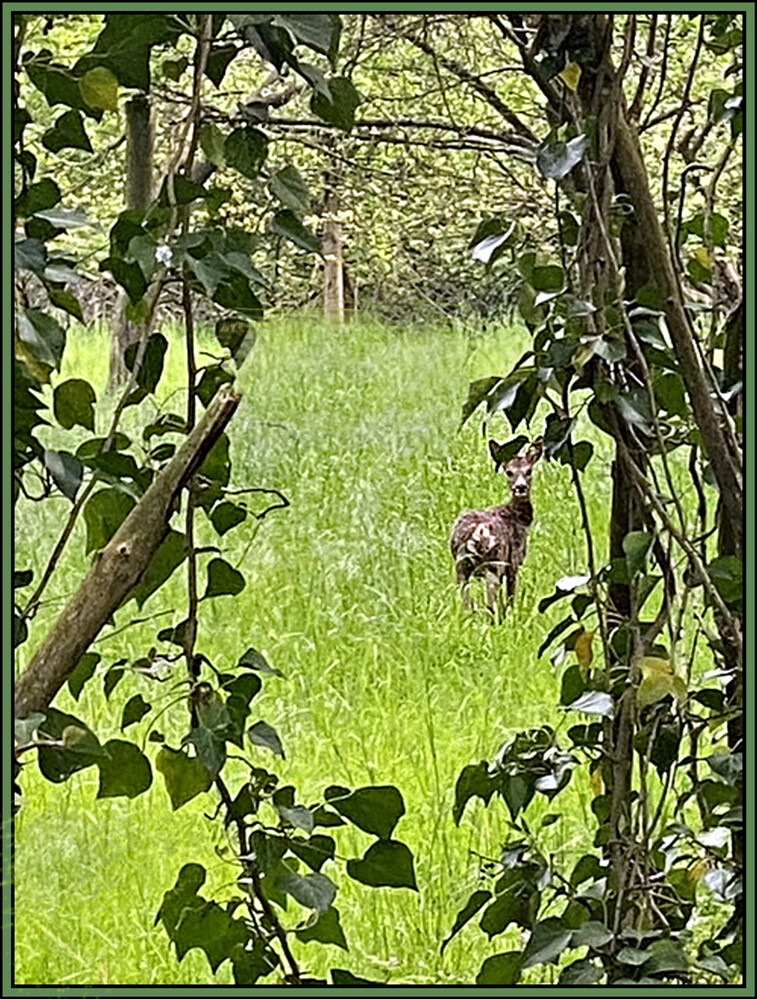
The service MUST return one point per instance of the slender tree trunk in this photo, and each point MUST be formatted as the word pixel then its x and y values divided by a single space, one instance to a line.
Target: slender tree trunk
pixel 138 194
pixel 338 296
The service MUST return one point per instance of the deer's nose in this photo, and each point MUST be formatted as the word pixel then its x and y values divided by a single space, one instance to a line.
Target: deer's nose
pixel 520 488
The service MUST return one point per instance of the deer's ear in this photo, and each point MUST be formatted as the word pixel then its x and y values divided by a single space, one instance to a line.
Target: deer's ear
pixel 535 451
pixel 494 451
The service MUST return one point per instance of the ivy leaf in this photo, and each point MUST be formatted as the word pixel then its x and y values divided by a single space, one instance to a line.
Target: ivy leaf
pixel 103 514
pixel 315 850
pixel 125 773
pixel 340 976
pixel 74 404
pixel 151 368
pixel 477 900
pixel 289 187
pixel 37 197
pixel 326 929
pixel 170 554
pixel 185 776
pixel 636 545
pixel 67 133
pixel 474 781
pixel 314 891
pixel 66 472
pixel 263 734
pixel 387 863
pixel 583 972
pixel 338 108
pixel 285 223
pixel 134 709
pixel 252 659
pixel 65 300
pixel 245 150
pixel 375 810
pixel 501 969
pixel 226 515
pixel 84 670
pixel 548 940
pixel 81 747
pixel 237 336
pixel 223 580
pixel 42 335
pixel 318 31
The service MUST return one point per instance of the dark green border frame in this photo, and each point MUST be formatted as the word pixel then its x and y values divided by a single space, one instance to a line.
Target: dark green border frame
pixel 750 984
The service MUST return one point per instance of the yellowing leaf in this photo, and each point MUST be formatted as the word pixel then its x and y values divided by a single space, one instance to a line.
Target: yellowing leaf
pixel 582 648
pixel 703 257
pixel 696 871
pixel 583 353
pixel 571 75
pixel 657 681
pixel 596 782
pixel 99 88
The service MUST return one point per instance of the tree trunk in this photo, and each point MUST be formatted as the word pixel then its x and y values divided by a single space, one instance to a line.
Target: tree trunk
pixel 138 194
pixel 338 297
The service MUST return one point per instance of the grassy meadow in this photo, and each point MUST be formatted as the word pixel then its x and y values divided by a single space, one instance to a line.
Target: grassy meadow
pixel 350 593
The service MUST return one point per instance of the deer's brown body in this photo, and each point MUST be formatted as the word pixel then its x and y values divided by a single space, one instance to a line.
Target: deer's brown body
pixel 492 543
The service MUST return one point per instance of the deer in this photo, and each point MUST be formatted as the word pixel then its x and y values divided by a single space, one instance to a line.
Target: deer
pixel 492 543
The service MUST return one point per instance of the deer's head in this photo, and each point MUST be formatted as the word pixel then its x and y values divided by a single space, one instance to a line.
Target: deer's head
pixel 518 469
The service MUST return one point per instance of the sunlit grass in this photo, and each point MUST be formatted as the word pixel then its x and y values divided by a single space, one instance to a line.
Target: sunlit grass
pixel 350 594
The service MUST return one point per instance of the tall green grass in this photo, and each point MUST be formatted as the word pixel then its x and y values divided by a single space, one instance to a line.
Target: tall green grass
pixel 350 593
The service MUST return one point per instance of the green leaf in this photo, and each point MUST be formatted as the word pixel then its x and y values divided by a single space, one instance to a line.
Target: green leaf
pixel 83 672
pixel 727 575
pixel 339 976
pixel 24 728
pixel 219 58
pixel 729 766
pixel 636 545
pixel 555 159
pixel 501 969
pixel 217 465
pixel 477 900
pixel 548 278
pixel 289 187
pixel 666 956
pixel 173 68
pixel 592 934
pixel 210 749
pixel 375 810
pixel 112 678
pixel 42 336
pixel 212 144
pixel 99 88
pixel 22 578
pixel 226 515
pixel 212 379
pixel 81 747
pixel 66 472
pixel 478 391
pixel 126 772
pixel 313 891
pixel 252 659
pixel 245 150
pixel 583 972
pixel 236 335
pixel 185 776
pixel 548 940
pixel 104 512
pixel 151 368
pixel 326 929
pixel 315 850
pixel 58 84
pixel 285 223
pixel 65 300
pixel 296 815
pixel 263 734
pixel 318 31
pixel 37 197
pixel 67 133
pixel 223 580
pixel 134 709
pixel 170 554
pixel 338 108
pixel 74 404
pixel 474 780
pixel 388 863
